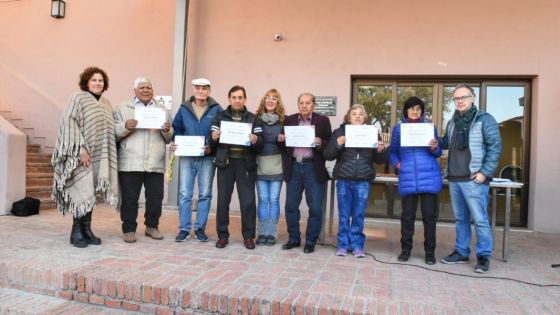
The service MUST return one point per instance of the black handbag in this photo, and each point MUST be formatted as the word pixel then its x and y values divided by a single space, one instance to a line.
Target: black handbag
pixel 26 207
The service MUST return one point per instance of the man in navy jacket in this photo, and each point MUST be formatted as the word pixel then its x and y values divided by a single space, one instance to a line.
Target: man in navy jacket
pixel 195 118
pixel 304 170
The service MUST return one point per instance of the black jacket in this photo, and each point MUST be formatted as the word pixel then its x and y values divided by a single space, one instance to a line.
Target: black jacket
pixel 222 149
pixel 323 131
pixel 352 163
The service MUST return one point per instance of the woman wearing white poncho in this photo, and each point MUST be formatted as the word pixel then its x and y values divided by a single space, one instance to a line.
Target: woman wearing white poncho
pixel 85 156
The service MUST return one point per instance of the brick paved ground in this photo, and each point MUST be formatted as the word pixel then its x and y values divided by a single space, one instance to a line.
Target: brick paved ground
pixel 40 272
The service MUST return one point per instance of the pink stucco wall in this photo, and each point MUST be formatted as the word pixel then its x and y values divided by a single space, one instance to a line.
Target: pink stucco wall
pixel 325 42
pixel 42 57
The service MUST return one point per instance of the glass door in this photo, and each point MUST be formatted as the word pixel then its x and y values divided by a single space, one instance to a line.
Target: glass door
pixel 506 101
pixel 378 100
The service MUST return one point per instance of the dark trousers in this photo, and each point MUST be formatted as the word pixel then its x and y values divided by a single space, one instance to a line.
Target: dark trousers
pixel 131 185
pixel 236 173
pixel 429 207
pixel 303 179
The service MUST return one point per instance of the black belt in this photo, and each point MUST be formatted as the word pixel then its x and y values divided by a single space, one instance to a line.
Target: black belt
pixel 302 160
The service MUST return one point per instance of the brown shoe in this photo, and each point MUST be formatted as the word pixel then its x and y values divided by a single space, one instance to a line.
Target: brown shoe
pixel 153 233
pixel 222 242
pixel 129 237
pixel 249 243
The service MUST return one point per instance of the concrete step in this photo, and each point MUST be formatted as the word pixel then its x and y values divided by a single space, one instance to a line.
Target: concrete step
pixel 14 301
pixel 33 148
pixel 38 164
pixel 39 181
pixel 38 188
pixel 39 175
pixel 47 204
pixel 42 195
pixel 39 169
pixel 38 158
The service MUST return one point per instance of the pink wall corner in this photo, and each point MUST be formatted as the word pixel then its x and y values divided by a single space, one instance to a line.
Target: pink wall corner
pixel 46 55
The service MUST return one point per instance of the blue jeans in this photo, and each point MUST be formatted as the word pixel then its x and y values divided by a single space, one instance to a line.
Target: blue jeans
pixel 352 203
pixel 269 206
pixel 470 203
pixel 189 168
pixel 303 178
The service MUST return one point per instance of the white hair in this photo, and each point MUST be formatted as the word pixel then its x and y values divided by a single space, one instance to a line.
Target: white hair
pixel 141 80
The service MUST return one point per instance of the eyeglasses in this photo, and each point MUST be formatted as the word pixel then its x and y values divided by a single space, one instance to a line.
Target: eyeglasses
pixel 271 99
pixel 461 98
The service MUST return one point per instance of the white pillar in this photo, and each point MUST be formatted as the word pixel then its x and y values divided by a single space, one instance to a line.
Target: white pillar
pixel 178 86
pixel 13 146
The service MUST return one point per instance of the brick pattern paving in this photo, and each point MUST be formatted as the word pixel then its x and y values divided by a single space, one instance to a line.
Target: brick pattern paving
pixel 165 277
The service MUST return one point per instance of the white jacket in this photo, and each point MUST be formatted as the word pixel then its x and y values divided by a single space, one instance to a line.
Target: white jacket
pixel 140 150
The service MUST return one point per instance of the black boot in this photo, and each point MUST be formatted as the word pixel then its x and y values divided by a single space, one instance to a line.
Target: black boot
pixel 76 237
pixel 86 230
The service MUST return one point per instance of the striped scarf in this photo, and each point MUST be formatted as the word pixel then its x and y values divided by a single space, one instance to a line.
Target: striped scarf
pixel 86 122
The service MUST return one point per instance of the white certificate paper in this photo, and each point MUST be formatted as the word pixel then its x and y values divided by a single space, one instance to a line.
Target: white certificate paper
pixel 361 136
pixel 417 134
pixel 235 133
pixel 300 136
pixel 149 117
pixel 189 145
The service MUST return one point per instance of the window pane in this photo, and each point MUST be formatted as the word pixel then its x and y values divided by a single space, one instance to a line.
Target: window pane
pixel 425 93
pixel 377 100
pixel 506 104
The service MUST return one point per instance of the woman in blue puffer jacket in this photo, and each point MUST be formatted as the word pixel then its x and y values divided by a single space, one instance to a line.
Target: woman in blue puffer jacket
pixel 419 178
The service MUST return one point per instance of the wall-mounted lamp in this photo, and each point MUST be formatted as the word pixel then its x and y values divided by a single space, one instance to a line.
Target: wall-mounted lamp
pixel 58 9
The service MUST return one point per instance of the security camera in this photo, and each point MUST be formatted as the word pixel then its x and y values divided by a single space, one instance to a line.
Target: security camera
pixel 278 36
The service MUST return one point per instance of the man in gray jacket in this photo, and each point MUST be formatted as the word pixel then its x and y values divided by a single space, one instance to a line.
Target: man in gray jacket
pixel 141 154
pixel 474 143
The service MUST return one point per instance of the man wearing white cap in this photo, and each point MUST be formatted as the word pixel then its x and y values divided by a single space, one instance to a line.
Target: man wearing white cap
pixel 194 118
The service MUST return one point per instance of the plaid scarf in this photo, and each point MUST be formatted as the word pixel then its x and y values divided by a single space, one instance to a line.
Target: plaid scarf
pixel 462 123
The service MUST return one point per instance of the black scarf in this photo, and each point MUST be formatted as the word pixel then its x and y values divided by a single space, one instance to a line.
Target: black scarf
pixel 462 123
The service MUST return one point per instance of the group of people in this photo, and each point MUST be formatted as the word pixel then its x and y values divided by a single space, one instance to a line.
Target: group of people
pixel 99 151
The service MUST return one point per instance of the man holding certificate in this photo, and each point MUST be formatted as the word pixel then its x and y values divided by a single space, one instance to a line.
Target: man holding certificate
pixel 236 139
pixel 192 125
pixel 141 155
pixel 415 160
pixel 304 170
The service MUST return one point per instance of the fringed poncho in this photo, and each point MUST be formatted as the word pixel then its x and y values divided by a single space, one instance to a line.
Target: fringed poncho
pixel 88 123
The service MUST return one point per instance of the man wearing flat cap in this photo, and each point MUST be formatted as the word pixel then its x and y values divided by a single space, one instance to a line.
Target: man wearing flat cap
pixel 194 118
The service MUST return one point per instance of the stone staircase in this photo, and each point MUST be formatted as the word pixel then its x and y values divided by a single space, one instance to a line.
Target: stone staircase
pixel 39 176
pixel 39 172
